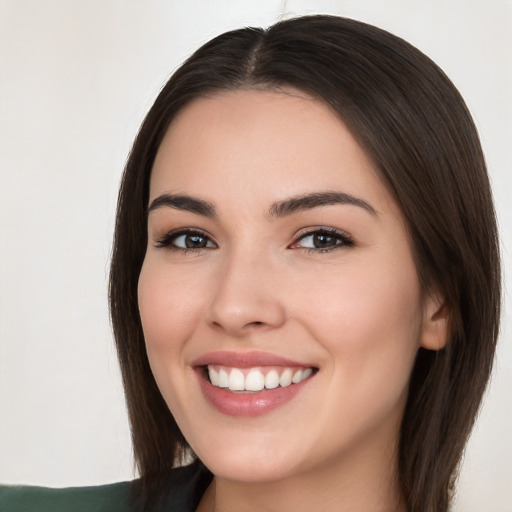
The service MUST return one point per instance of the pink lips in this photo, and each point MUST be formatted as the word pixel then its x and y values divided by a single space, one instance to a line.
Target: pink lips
pixel 248 404
pixel 245 360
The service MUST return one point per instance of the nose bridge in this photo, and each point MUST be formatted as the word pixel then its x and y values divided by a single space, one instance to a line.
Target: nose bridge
pixel 246 294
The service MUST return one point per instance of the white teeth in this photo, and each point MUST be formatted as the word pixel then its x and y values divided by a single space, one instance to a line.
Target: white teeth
pixel 306 373
pixel 255 379
pixel 223 379
pixel 236 380
pixel 286 378
pixel 297 376
pixel 271 379
pixel 214 376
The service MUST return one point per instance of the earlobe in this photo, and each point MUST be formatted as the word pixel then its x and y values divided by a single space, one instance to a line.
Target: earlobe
pixel 436 324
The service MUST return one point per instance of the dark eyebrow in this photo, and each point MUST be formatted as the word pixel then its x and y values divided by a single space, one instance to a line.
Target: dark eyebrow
pixel 180 202
pixel 309 201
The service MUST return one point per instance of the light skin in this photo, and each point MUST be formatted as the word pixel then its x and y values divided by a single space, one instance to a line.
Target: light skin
pixel 329 282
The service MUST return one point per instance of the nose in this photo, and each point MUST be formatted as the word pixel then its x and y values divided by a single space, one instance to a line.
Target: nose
pixel 247 296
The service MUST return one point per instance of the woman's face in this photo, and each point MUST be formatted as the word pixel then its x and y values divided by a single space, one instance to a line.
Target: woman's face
pixel 278 264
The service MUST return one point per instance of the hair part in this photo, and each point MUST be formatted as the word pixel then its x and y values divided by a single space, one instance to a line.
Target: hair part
pixel 414 125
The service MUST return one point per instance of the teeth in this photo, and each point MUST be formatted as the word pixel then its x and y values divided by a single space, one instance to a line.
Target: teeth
pixel 271 379
pixel 223 379
pixel 286 378
pixel 214 376
pixel 236 380
pixel 297 376
pixel 254 379
pixel 306 373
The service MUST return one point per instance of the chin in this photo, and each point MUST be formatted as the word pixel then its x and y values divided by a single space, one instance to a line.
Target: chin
pixel 249 471
pixel 256 462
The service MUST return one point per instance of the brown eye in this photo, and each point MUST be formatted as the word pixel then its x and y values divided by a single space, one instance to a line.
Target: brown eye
pixel 323 240
pixel 186 240
pixel 191 241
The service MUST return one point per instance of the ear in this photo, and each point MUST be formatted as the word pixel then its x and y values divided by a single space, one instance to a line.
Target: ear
pixel 436 323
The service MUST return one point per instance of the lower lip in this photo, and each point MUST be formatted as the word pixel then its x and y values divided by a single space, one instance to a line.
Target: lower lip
pixel 248 404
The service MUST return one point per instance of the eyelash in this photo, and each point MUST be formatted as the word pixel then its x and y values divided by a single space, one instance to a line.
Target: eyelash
pixel 167 240
pixel 343 240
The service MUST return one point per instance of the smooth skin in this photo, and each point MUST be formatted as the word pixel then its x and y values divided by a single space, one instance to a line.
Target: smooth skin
pixel 332 286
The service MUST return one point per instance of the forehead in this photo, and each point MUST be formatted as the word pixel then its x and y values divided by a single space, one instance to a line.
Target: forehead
pixel 247 144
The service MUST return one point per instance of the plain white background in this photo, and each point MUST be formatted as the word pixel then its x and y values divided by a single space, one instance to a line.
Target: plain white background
pixel 76 79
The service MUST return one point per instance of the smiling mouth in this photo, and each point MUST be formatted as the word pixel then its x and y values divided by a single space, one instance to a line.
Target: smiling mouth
pixel 250 380
pixel 251 384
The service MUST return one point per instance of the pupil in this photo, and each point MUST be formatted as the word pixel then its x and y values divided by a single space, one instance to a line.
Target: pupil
pixel 195 241
pixel 322 241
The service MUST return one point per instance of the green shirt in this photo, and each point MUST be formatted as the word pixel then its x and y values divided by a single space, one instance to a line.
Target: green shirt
pixel 189 484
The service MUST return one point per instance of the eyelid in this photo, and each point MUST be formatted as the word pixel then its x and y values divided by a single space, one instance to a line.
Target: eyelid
pixel 346 239
pixel 166 240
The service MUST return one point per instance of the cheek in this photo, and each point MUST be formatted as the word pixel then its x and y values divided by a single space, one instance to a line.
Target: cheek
pixel 369 320
pixel 169 308
pixel 370 325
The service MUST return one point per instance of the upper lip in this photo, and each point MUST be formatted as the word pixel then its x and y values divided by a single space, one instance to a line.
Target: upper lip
pixel 246 360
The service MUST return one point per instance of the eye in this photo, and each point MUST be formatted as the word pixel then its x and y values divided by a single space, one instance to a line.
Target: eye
pixel 186 240
pixel 323 240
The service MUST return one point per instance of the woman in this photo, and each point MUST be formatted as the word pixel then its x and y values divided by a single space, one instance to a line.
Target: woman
pixel 305 277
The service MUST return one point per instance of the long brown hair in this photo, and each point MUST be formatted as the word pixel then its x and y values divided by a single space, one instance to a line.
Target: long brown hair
pixel 413 123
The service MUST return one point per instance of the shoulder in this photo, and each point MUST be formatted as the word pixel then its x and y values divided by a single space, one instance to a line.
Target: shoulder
pixel 185 485
pixel 184 488
pixel 24 498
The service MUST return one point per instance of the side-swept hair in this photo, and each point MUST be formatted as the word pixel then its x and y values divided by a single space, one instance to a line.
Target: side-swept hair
pixel 414 125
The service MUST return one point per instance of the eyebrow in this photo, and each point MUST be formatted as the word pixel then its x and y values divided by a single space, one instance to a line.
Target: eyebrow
pixel 310 201
pixel 186 203
pixel 279 209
